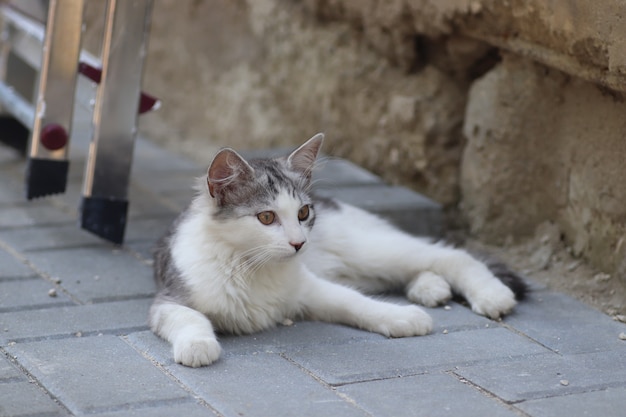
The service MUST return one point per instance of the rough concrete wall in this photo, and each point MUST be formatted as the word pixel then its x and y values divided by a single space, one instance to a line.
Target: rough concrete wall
pixel 264 73
pixel 586 38
pixel 546 146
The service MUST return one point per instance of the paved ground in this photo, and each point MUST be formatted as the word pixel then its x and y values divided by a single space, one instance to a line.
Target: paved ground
pixel 88 351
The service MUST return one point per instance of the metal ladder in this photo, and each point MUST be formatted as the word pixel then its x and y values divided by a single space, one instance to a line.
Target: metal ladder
pixel 39 67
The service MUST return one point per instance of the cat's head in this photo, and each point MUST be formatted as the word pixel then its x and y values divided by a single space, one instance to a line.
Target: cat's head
pixel 265 202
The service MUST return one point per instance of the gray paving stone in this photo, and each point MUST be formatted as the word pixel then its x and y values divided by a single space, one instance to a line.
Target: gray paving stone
pixel 182 409
pixel 11 267
pixel 98 373
pixel 29 294
pixel 9 155
pixel 141 248
pixel 26 399
pixel 408 210
pixel 50 237
pixel 151 346
pixel 179 200
pixel 144 202
pixel 34 213
pixel 11 192
pixel 428 395
pixel 148 229
pixel 8 372
pixel 607 403
pixel 72 197
pixel 262 385
pixel 565 324
pixel 354 362
pixel 300 334
pixel 176 180
pixel 458 318
pixel 305 334
pixel 115 317
pixel 521 379
pixel 98 273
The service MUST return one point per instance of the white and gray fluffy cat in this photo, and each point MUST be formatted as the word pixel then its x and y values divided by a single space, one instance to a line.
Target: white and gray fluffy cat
pixel 255 247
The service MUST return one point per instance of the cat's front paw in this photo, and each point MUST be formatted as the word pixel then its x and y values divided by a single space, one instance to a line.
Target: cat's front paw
pixel 494 300
pixel 196 351
pixel 405 321
pixel 429 289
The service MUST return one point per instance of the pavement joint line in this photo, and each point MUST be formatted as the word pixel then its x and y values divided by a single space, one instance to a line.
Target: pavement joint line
pixel 119 332
pixel 385 378
pixel 68 247
pixel 488 394
pixel 40 273
pixel 112 299
pixel 36 226
pixel 32 380
pixel 332 388
pixel 10 380
pixel 17 278
pixel 33 307
pixel 571 391
pixel 524 335
pixel 136 406
pixel 137 255
pixel 161 367
pixel 55 202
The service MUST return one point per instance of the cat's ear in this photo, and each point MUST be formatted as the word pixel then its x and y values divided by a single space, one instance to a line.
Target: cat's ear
pixel 302 160
pixel 227 168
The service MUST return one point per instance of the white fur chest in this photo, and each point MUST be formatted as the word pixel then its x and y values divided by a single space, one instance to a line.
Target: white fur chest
pixel 236 299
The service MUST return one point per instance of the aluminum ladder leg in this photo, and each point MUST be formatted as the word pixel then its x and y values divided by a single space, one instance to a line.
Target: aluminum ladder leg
pixel 105 189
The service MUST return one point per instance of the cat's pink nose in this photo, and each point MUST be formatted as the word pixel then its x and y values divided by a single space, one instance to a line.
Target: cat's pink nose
pixel 297 245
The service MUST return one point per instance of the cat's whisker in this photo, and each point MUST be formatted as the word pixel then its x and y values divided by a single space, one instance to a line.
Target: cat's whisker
pixel 256 261
pixel 248 262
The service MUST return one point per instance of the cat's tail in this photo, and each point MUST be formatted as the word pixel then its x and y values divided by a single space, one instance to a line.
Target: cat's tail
pixel 510 278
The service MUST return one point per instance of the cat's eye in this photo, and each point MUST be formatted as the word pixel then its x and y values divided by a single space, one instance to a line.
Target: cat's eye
pixel 303 213
pixel 266 217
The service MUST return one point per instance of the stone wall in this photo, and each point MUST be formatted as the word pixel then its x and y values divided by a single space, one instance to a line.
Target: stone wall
pixel 543 145
pixel 514 109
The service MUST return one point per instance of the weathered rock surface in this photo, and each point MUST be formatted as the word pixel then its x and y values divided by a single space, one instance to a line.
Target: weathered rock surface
pixel 546 146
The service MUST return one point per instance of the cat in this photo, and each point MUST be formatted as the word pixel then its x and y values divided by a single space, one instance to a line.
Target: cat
pixel 256 247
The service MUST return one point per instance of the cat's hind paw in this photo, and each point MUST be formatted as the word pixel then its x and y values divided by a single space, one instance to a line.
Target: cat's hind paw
pixel 197 351
pixel 429 289
pixel 405 321
pixel 493 301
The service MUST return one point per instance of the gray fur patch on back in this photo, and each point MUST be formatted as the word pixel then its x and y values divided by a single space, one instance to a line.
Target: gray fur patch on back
pixel 166 275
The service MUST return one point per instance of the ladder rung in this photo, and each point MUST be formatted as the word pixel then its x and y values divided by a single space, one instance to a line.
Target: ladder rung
pixel 16 105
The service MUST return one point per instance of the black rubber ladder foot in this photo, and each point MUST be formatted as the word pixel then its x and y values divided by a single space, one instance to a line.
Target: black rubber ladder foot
pixel 45 177
pixel 104 217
